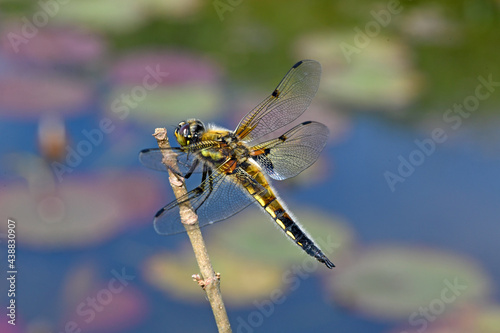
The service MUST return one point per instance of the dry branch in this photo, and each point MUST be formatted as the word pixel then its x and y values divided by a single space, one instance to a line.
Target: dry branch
pixel 209 280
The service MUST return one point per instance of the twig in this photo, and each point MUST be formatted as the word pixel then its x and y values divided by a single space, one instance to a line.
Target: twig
pixel 210 281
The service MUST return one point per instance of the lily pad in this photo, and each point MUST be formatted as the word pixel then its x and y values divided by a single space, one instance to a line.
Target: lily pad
pixel 378 75
pixel 55 45
pixel 242 281
pixel 162 86
pixel 254 261
pixel 483 318
pixel 102 14
pixel 27 95
pixel 392 282
pixel 252 235
pixel 121 304
pixel 49 214
pixel 170 103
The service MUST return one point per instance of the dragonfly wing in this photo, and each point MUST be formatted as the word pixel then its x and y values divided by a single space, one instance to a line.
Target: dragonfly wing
pixel 292 152
pixel 287 102
pixel 215 199
pixel 153 159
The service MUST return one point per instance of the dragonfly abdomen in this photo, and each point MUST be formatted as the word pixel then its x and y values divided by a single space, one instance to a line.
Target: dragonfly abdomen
pixel 272 206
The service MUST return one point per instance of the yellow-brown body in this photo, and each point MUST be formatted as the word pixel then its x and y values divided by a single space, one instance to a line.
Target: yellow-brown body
pixel 224 152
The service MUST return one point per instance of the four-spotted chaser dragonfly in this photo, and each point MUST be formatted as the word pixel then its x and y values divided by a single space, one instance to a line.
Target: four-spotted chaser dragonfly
pixel 234 170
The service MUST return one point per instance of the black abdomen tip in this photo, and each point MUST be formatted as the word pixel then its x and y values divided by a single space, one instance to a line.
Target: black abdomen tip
pixel 327 262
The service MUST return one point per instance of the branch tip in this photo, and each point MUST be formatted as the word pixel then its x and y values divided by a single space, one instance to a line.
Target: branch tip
pixel 160 134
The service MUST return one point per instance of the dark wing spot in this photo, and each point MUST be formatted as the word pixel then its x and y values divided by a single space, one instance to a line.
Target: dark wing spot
pixel 276 93
pixel 160 212
pixel 297 64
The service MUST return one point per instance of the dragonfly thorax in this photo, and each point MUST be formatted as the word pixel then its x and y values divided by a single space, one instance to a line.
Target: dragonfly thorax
pixel 189 131
pixel 238 148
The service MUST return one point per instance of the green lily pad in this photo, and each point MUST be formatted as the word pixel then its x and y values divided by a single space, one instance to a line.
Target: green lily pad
pixel 379 74
pixel 252 235
pixel 483 318
pixel 393 282
pixel 170 103
pixel 102 14
pixel 242 281
pixel 254 260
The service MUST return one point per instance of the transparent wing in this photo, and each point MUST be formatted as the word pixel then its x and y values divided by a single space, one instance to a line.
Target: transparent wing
pixel 215 199
pixel 153 159
pixel 292 152
pixel 287 102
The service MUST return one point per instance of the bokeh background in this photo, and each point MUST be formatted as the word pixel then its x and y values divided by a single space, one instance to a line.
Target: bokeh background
pixel 404 199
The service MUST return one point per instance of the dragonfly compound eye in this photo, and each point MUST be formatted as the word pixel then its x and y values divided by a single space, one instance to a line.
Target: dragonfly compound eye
pixel 197 128
pixel 184 131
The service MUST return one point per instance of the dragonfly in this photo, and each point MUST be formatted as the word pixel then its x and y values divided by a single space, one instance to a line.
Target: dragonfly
pixel 236 167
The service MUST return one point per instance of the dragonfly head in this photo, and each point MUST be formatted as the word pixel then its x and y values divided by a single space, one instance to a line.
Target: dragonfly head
pixel 189 131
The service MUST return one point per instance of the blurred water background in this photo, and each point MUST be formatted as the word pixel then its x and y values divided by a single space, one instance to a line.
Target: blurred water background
pixel 404 199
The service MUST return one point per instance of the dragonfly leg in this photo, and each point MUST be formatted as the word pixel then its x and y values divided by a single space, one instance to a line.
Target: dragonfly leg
pixel 191 169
